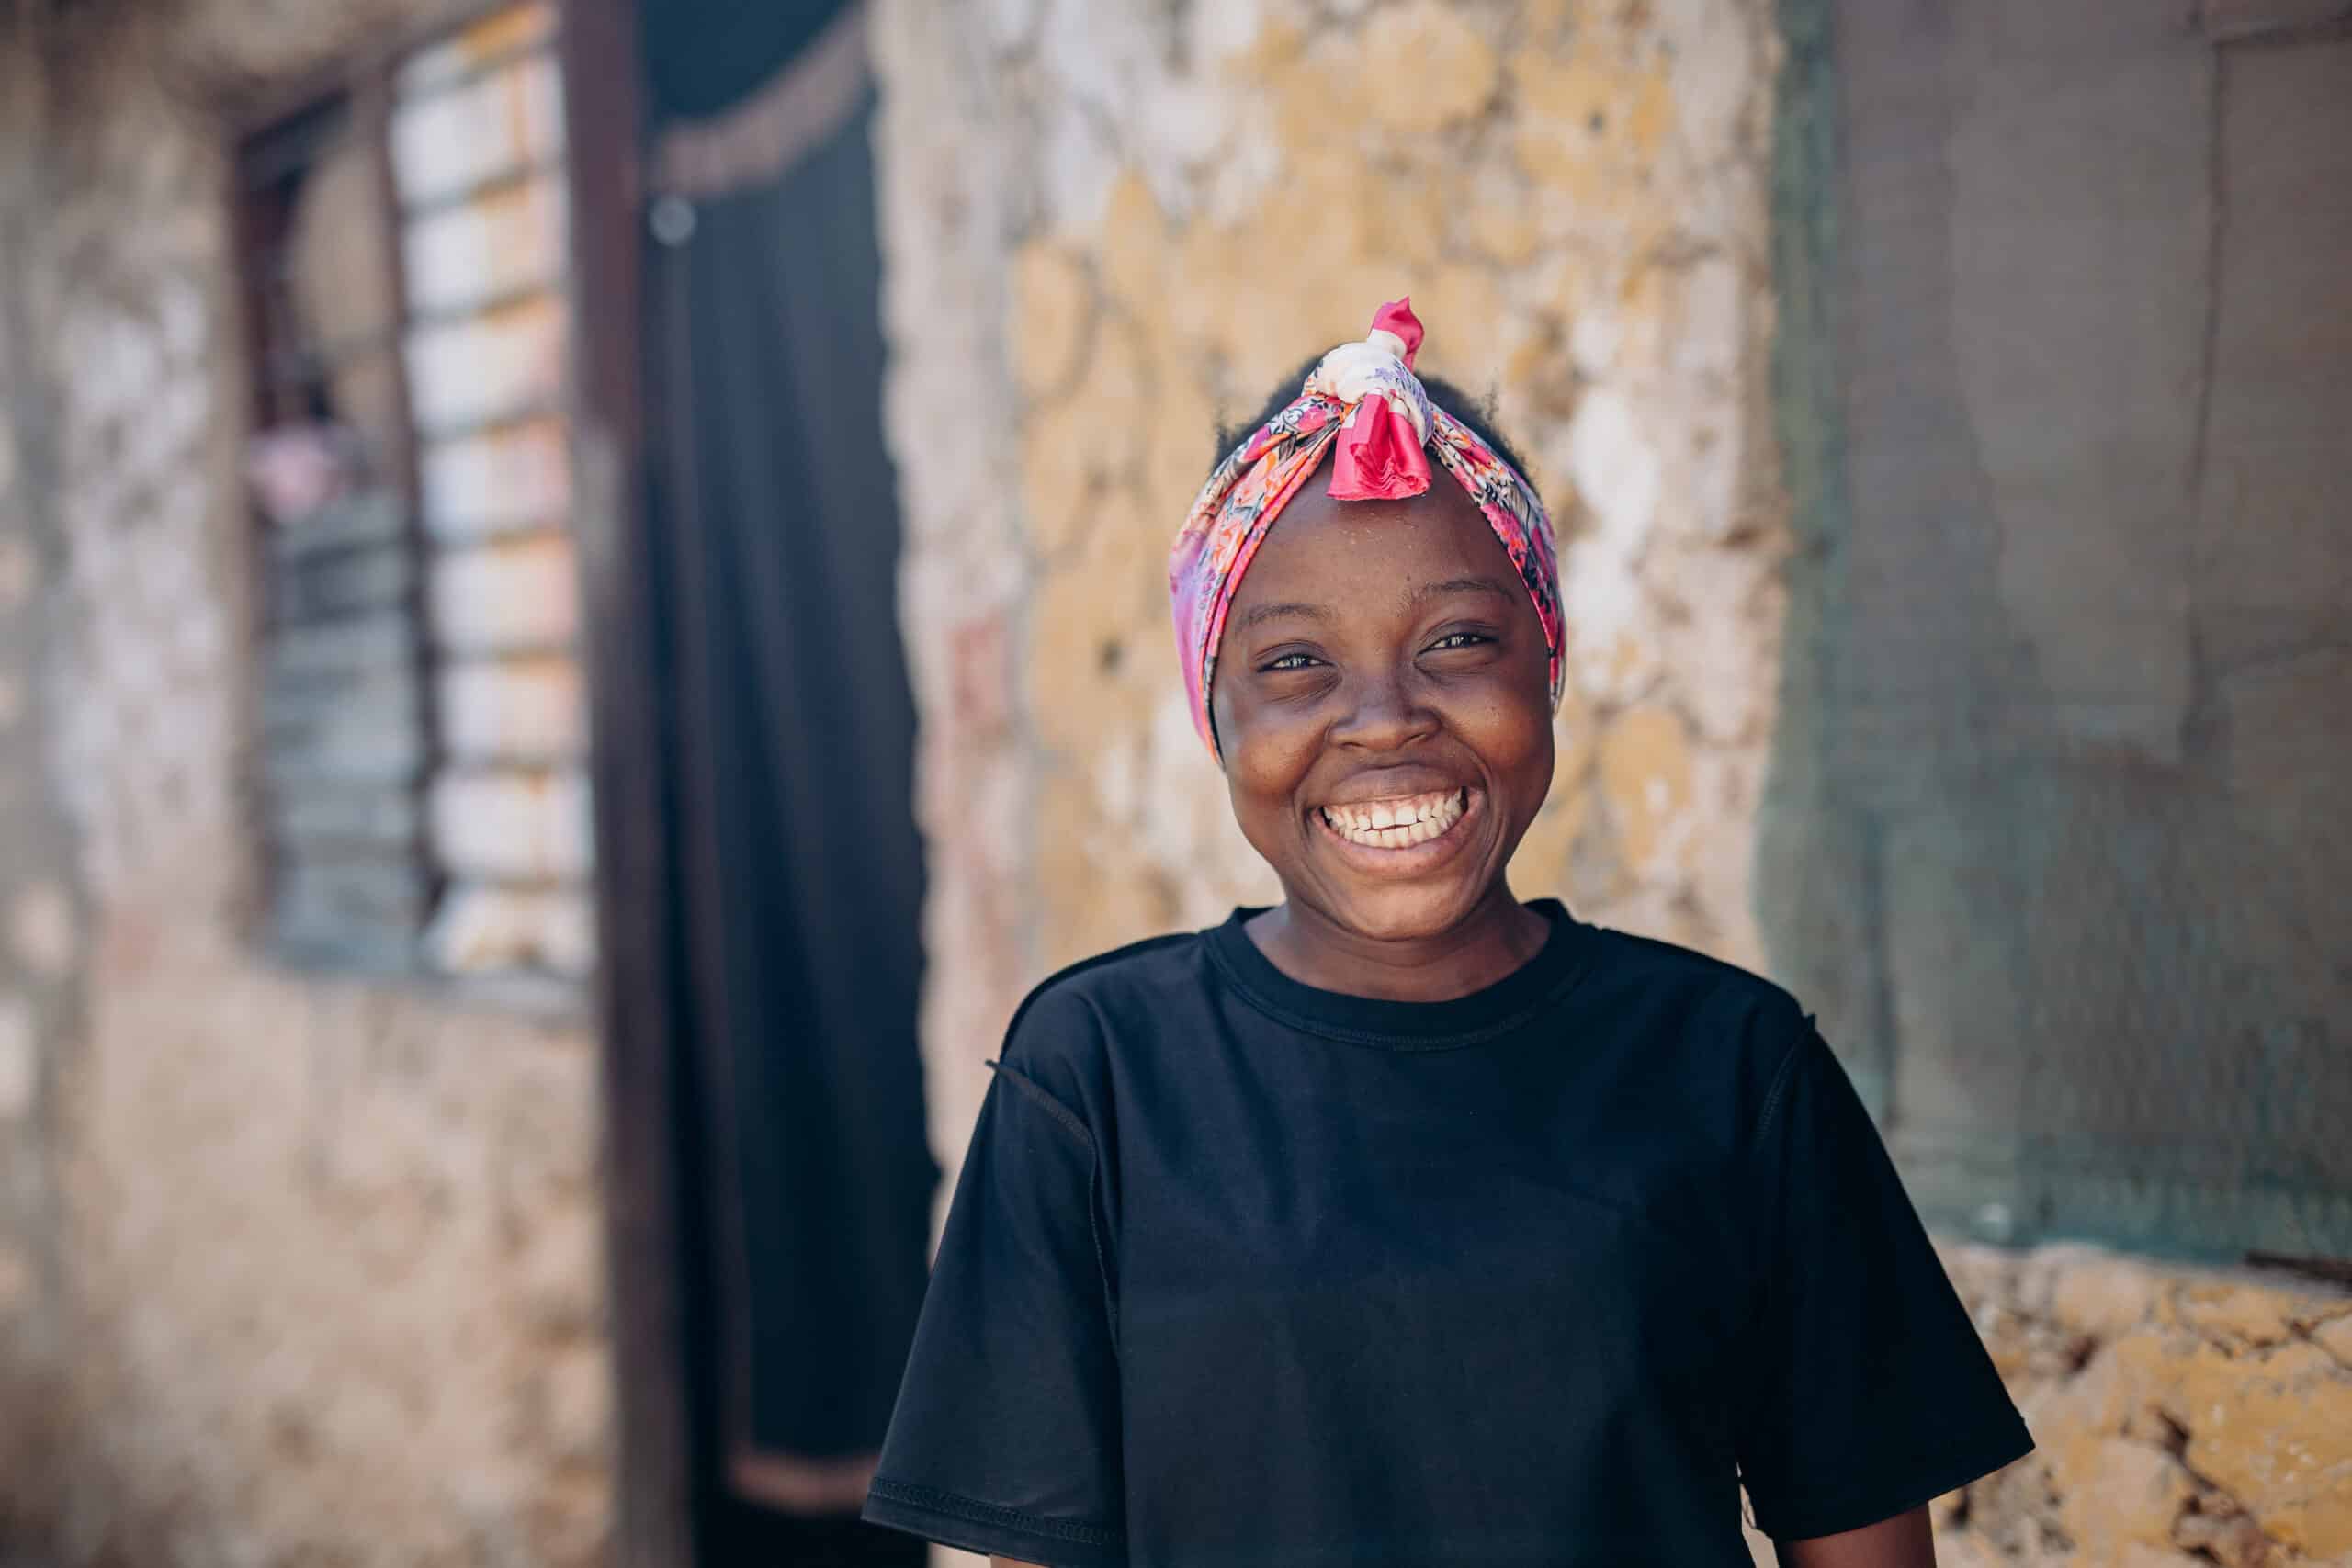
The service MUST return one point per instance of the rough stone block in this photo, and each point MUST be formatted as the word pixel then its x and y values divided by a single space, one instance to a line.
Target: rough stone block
pixel 498 242
pixel 528 710
pixel 2272 1432
pixel 506 361
pixel 2232 1539
pixel 2141 1555
pixel 512 824
pixel 508 31
pixel 2102 1295
pixel 515 595
pixel 2117 1493
pixel 1133 246
pixel 2236 1314
pixel 1451 67
pixel 483 928
pixel 502 363
pixel 2334 1337
pixel 1645 771
pixel 511 477
pixel 1052 309
pixel 444 141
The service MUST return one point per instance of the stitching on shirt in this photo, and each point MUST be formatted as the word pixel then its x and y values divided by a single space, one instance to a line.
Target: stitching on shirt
pixel 1778 1094
pixel 1038 992
pixel 1038 1092
pixel 972 1508
pixel 1070 1119
pixel 1306 1025
pixel 1093 1210
pixel 1775 1097
pixel 1102 1265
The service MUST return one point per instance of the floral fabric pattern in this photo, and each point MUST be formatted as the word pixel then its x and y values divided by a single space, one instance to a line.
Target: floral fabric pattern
pixel 1229 519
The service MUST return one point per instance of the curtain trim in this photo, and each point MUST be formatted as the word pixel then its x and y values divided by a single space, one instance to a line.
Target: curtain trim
pixel 755 141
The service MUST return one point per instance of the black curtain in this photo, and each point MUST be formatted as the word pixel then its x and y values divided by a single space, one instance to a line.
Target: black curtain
pixel 798 881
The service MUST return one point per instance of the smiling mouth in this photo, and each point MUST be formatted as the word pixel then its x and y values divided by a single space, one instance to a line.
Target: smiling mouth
pixel 1398 824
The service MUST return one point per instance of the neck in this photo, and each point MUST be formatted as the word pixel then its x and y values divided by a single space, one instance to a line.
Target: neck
pixel 1498 936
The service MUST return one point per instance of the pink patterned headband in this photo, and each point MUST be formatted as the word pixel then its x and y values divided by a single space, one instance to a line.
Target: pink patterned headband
pixel 1364 399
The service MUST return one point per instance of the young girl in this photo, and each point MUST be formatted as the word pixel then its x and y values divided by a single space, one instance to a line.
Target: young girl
pixel 1405 1222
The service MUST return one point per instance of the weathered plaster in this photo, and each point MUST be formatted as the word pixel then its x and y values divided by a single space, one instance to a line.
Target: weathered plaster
pixel 302 1271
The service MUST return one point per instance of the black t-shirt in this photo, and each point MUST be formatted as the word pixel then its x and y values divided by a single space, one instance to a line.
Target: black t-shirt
pixel 1240 1273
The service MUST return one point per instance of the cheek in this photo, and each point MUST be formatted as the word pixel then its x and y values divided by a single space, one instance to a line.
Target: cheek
pixel 1265 760
pixel 1265 770
pixel 1514 737
pixel 1507 718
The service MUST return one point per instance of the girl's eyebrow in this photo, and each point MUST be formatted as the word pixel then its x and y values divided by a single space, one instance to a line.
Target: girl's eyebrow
pixel 1263 613
pixel 1428 591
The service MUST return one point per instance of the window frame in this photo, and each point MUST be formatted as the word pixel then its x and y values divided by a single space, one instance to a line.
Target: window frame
pixel 362 87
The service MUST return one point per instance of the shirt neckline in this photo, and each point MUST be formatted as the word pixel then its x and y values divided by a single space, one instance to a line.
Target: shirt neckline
pixel 1487 1013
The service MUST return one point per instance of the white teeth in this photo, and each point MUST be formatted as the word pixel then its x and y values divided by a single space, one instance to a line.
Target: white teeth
pixel 1396 823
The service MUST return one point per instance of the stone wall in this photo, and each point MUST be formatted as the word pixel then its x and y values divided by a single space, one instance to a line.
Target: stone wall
pixel 292 1270
pixel 2182 1418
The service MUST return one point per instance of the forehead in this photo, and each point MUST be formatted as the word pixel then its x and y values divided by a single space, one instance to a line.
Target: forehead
pixel 1323 549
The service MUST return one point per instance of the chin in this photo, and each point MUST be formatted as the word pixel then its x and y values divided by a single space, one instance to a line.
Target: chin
pixel 1403 914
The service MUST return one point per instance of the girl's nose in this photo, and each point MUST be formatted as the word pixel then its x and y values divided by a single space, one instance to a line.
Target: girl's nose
pixel 1386 714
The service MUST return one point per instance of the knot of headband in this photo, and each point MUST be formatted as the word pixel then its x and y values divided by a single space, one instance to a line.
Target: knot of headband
pixel 1364 405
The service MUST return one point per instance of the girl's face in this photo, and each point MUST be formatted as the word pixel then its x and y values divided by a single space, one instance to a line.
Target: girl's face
pixel 1381 697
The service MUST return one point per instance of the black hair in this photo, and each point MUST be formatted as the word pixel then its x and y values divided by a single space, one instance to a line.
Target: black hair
pixel 1477 413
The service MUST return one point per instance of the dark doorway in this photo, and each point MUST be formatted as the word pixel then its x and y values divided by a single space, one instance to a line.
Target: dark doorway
pixel 761 856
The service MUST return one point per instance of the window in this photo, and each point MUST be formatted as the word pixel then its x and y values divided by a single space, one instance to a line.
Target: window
pixel 420 721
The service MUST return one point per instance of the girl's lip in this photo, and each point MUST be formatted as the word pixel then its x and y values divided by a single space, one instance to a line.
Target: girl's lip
pixel 1411 860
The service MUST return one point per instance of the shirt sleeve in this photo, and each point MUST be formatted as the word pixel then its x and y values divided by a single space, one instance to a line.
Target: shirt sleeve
pixel 1870 1392
pixel 1005 1437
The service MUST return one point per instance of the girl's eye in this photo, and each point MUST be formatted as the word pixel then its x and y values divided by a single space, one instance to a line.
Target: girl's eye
pixel 1291 661
pixel 1456 639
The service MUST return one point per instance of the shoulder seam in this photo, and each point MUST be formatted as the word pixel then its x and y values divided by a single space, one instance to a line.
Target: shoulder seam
pixel 1776 1096
pixel 1062 1114
pixel 1071 971
pixel 1723 970
pixel 1039 991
